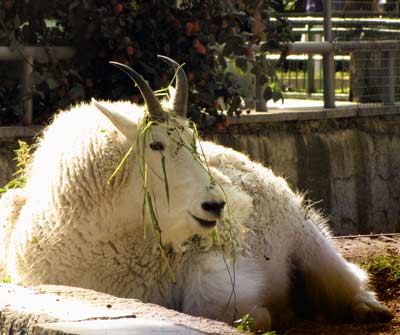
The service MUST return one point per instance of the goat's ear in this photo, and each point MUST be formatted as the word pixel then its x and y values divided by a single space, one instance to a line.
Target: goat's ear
pixel 122 123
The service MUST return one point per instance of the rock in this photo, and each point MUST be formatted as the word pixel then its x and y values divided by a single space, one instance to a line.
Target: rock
pixel 56 310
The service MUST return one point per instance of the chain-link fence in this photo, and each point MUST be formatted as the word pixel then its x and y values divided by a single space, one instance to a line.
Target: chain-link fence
pixel 374 70
pixel 366 45
pixel 359 8
pixel 374 46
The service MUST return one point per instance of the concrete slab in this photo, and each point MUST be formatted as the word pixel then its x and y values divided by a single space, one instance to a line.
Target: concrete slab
pixel 24 300
pixel 296 110
pixel 62 310
pixel 300 104
pixel 118 327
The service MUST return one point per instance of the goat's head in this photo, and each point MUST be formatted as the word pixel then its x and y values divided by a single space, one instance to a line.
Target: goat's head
pixel 180 192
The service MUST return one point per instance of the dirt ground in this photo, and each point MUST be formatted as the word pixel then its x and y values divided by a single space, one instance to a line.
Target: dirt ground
pixel 361 250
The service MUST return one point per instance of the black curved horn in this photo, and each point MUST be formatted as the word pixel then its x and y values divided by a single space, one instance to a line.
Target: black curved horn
pixel 152 102
pixel 180 99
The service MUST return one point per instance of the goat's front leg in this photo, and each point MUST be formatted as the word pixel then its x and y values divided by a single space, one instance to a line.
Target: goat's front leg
pixel 218 289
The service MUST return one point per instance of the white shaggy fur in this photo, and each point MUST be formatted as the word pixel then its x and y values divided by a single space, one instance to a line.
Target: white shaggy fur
pixel 69 226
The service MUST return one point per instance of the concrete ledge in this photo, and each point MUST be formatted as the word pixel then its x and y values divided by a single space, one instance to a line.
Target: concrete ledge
pixel 317 113
pixel 56 310
pixel 273 115
pixel 123 326
pixel 15 132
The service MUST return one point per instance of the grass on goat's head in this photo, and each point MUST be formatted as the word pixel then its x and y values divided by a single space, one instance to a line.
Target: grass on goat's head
pixel 175 126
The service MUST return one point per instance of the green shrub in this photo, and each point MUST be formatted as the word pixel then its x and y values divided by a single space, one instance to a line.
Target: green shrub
pixel 22 157
pixel 200 34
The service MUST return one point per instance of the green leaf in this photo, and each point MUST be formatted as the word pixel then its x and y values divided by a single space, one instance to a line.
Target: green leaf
pixel 207 98
pixel 241 63
pixel 222 61
pixel 74 4
pixel 228 48
pixel 223 36
pixel 262 79
pixel 267 93
pixel 36 78
pixel 276 96
pixel 51 83
pixel 234 44
pixel 76 74
pixel 257 69
pixel 77 92
pixel 235 103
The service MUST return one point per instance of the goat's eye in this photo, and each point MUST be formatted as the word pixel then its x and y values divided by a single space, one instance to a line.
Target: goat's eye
pixel 158 146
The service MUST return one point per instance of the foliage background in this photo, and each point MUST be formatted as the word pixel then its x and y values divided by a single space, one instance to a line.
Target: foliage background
pixel 201 34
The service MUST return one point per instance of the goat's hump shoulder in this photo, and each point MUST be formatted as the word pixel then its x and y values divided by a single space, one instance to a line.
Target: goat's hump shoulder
pixel 87 116
pixel 219 156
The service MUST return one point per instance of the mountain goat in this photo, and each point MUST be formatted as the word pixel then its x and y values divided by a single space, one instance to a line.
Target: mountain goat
pixel 184 223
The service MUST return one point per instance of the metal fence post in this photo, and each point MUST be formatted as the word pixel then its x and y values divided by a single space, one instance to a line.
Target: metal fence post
pixel 260 104
pixel 26 93
pixel 310 65
pixel 328 60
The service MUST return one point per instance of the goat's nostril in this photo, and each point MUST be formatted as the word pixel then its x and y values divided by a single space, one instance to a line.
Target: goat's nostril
pixel 213 206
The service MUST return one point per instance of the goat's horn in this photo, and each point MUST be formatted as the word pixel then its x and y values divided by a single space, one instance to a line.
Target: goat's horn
pixel 180 99
pixel 153 104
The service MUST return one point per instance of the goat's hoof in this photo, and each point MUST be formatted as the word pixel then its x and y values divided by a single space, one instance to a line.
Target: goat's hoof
pixel 262 319
pixel 366 309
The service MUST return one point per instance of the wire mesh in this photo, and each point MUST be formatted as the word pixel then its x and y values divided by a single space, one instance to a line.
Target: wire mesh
pixel 365 8
pixel 366 37
pixel 374 70
pixel 369 32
